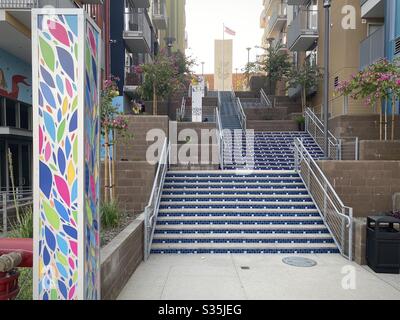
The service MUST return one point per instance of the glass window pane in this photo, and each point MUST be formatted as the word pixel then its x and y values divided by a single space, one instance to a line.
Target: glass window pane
pixel 24 115
pixel 11 113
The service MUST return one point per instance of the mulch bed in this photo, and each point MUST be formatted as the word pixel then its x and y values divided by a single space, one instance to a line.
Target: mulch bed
pixel 107 235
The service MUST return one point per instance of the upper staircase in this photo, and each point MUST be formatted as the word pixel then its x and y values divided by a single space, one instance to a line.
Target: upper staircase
pixel 228 113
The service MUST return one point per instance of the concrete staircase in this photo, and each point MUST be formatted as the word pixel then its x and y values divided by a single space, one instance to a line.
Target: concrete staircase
pixel 229 116
pixel 265 211
pixel 223 212
pixel 271 151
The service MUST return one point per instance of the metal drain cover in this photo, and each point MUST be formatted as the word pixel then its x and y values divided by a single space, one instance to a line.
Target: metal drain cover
pixel 299 262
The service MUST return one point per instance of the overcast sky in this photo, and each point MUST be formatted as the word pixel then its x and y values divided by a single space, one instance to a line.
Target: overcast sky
pixel 204 19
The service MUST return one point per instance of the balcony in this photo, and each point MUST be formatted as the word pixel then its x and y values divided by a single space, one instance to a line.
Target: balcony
pixel 278 18
pixel 303 31
pixel 372 8
pixel 137 33
pixel 160 14
pixel 281 42
pixel 19 4
pixel 372 49
pixel 132 80
pixel 297 2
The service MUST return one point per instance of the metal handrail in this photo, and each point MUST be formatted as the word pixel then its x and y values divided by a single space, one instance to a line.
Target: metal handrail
pixel 182 110
pixel 315 128
pixel 220 137
pixel 151 211
pixel 241 113
pixel 265 99
pixel 337 217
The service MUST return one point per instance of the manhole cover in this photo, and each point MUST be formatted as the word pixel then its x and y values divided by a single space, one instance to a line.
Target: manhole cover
pixel 299 262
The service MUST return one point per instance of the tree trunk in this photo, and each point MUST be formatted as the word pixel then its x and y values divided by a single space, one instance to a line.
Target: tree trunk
pixel 113 168
pixel 154 100
pixel 393 115
pixel 106 173
pixel 386 119
pixel 303 98
pixel 380 121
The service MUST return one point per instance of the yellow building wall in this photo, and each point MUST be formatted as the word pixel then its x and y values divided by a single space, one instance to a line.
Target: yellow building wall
pixel 344 56
pixel 176 12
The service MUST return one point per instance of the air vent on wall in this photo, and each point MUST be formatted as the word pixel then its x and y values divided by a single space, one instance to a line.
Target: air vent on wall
pixel 336 81
pixel 397 46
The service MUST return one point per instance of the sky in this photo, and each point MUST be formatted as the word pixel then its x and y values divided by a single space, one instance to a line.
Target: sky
pixel 204 20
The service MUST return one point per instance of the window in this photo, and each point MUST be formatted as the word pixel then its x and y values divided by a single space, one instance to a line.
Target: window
pixel 24 114
pixel 2 115
pixel 11 113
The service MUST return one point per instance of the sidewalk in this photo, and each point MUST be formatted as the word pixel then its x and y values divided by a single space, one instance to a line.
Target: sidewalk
pixel 219 277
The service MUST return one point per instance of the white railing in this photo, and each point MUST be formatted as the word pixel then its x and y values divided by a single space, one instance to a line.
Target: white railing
pixel 182 110
pixel 338 149
pixel 337 217
pixel 241 114
pixel 220 138
pixel 8 202
pixel 151 211
pixel 265 100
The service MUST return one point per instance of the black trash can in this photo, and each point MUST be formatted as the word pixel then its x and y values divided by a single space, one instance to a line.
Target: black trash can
pixel 383 244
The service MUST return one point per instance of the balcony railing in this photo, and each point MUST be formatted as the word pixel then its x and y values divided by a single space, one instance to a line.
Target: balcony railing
pixel 279 12
pixel 160 14
pixel 372 49
pixel 303 30
pixel 132 79
pixel 137 28
pixel 19 4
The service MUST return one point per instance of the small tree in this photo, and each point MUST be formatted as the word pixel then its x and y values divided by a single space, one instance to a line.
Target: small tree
pixel 111 123
pixel 276 64
pixel 165 75
pixel 307 77
pixel 249 70
pixel 378 82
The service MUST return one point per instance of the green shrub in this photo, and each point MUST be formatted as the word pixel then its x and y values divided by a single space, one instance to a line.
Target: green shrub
pixel 25 282
pixel 24 228
pixel 110 215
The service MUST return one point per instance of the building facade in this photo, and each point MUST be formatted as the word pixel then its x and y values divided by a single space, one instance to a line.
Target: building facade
pixel 175 33
pixel 362 32
pixel 16 82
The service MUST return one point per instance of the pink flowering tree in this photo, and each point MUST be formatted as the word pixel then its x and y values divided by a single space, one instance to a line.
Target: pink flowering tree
pixel 112 124
pixel 377 83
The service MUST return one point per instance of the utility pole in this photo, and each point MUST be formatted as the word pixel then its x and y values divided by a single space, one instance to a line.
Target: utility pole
pixel 236 82
pixel 327 8
pixel 248 65
pixel 202 68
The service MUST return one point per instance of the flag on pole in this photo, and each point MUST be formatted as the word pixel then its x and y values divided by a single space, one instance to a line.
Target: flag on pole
pixel 230 31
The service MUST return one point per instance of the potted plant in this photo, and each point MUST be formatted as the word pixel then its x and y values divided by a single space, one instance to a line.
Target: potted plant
pixel 301 123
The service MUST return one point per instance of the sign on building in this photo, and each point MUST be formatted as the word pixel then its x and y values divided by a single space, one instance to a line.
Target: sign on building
pixel 197 100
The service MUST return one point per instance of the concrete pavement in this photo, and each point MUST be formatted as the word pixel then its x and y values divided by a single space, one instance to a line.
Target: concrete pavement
pixel 226 277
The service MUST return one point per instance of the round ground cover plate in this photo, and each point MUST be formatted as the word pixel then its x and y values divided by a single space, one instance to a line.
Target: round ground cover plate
pixel 299 262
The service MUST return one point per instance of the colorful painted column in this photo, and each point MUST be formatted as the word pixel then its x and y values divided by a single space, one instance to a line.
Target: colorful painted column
pixel 66 142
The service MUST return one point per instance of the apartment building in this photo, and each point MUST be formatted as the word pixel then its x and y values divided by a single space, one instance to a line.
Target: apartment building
pixel 175 34
pixel 16 81
pixel 274 22
pixel 375 36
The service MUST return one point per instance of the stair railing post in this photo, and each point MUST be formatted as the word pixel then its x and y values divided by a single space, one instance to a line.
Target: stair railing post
pixel 357 149
pixel 146 233
pixel 325 199
pixel 5 227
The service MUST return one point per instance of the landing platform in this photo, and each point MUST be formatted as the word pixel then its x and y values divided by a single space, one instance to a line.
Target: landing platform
pixel 216 277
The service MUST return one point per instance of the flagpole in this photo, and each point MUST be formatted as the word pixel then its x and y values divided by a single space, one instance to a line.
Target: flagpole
pixel 223 57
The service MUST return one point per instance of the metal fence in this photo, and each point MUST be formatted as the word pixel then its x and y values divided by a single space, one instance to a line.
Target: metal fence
pixel 8 201
pixel 19 4
pixel 265 100
pixel 345 148
pixel 337 217
pixel 151 211
pixel 220 139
